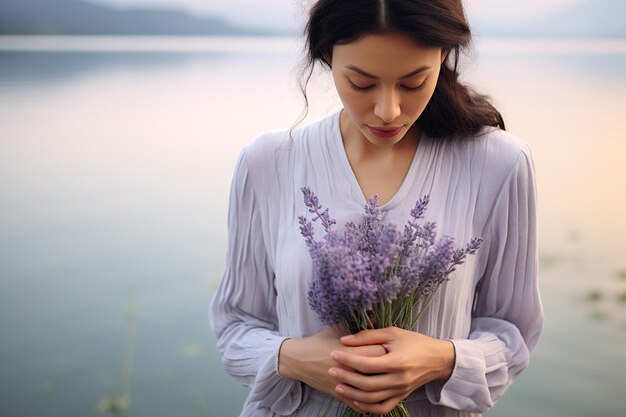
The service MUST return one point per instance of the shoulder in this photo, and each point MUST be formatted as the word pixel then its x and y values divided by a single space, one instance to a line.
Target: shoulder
pixel 503 146
pixel 274 154
pixel 277 146
pixel 263 146
pixel 499 146
pixel 494 165
pixel 495 153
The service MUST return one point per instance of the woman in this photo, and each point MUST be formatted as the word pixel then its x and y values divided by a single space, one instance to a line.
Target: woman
pixel 407 128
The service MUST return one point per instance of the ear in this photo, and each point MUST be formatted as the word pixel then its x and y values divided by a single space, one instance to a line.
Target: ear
pixel 444 54
pixel 328 59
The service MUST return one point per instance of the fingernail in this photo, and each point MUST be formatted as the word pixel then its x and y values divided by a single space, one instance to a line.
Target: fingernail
pixel 332 372
pixel 333 355
pixel 339 389
pixel 348 337
pixel 357 403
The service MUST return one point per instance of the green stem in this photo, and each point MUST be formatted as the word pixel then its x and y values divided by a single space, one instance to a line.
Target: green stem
pixel 430 300
pixel 399 410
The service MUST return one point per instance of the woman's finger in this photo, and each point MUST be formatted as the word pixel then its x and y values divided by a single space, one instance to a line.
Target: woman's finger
pixel 348 391
pixel 383 408
pixel 370 337
pixel 366 383
pixel 349 402
pixel 370 350
pixel 364 364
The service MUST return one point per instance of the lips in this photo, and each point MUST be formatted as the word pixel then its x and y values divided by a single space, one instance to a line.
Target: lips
pixel 385 132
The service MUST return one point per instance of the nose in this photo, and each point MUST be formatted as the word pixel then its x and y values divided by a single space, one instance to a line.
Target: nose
pixel 387 106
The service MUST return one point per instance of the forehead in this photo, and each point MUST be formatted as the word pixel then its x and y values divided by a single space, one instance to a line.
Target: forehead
pixel 389 53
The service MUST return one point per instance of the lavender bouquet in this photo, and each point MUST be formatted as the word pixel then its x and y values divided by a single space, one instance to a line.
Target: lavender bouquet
pixel 373 276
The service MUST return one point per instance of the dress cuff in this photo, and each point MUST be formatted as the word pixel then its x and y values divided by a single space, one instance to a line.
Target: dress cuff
pixel 281 395
pixel 480 364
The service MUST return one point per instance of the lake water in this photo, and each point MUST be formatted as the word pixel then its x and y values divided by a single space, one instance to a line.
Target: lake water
pixel 115 162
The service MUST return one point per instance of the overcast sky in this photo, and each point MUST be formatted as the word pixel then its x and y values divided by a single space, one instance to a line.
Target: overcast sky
pixel 290 13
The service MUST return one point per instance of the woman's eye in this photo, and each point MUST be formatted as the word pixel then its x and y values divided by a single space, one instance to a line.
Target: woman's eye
pixel 360 88
pixel 416 88
pixel 357 87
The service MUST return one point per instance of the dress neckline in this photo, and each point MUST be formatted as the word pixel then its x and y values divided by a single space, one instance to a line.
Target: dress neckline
pixel 407 183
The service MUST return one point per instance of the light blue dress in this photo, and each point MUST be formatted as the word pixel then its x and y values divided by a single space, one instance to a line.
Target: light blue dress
pixel 490 309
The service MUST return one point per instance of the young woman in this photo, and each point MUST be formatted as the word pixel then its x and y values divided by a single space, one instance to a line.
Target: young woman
pixel 408 127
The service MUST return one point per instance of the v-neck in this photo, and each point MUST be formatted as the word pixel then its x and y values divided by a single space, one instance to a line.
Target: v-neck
pixel 406 183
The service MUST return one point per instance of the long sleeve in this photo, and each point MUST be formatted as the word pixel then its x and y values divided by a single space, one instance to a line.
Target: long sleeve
pixel 507 316
pixel 242 314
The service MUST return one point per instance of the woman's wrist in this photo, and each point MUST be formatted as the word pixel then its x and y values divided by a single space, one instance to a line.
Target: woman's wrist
pixel 448 356
pixel 286 354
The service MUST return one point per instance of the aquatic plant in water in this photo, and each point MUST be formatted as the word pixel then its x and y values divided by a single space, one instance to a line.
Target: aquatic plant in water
pixel 118 404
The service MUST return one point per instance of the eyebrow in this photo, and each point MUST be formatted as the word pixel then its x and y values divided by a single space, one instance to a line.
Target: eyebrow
pixel 368 75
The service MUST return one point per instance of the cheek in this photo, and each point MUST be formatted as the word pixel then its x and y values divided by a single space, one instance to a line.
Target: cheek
pixel 418 103
pixel 356 102
pixel 415 106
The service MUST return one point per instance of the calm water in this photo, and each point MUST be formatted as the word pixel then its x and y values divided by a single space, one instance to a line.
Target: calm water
pixel 115 164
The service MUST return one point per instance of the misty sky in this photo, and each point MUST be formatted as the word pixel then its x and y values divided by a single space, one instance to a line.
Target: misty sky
pixel 290 13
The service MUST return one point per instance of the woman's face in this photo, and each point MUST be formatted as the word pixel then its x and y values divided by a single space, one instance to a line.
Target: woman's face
pixel 385 82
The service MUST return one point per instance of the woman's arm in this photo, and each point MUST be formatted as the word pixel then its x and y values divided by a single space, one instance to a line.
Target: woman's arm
pixel 242 313
pixel 507 316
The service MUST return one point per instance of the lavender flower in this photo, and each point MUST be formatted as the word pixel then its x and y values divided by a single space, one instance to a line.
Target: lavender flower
pixel 460 254
pixel 340 283
pixel 372 268
pixel 413 231
pixel 420 207
pixel 434 267
pixel 311 201
pixel 371 275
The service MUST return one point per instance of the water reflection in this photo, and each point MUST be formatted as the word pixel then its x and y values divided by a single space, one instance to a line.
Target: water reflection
pixel 114 175
pixel 39 69
pixel 27 61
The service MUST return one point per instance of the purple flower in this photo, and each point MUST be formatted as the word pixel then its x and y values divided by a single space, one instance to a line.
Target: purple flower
pixel 373 270
pixel 434 267
pixel 420 208
pixel 388 289
pixel 311 201
pixel 413 231
pixel 341 282
pixel 372 275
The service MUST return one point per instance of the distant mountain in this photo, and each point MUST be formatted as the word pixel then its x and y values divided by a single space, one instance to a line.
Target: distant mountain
pixel 76 17
pixel 590 19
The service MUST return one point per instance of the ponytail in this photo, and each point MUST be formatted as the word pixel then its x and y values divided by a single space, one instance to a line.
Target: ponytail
pixel 456 109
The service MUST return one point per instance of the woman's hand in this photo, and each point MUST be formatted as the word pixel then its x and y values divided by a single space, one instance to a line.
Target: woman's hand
pixel 378 384
pixel 308 360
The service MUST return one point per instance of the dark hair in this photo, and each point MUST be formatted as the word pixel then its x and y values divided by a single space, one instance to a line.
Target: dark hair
pixel 454 109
